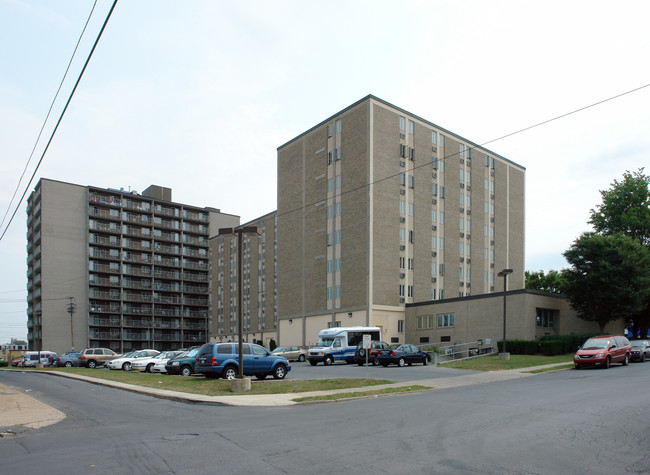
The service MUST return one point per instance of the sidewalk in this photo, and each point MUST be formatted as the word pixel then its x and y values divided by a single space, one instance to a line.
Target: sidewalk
pixel 18 408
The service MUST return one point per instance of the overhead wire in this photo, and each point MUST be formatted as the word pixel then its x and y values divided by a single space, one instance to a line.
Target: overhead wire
pixel 60 118
pixel 444 158
pixel 56 95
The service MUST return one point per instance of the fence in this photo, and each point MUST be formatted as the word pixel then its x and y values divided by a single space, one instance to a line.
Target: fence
pixel 458 351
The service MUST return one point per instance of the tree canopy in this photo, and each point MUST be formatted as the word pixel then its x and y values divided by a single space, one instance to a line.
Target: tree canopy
pixel 609 277
pixel 625 208
pixel 551 282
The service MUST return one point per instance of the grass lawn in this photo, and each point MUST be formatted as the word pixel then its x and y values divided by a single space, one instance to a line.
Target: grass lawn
pixel 217 387
pixel 493 363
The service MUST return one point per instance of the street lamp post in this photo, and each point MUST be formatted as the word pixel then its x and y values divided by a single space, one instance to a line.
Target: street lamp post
pixel 239 384
pixel 504 355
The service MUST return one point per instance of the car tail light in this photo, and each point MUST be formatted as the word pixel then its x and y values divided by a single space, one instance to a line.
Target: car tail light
pixel 392 353
pixel 82 357
pixel 213 361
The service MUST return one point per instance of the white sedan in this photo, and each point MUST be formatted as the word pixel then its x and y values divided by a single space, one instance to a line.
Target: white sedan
pixel 124 362
pixel 146 364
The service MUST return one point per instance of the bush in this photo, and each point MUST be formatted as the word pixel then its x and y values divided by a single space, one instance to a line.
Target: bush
pixel 4 364
pixel 520 347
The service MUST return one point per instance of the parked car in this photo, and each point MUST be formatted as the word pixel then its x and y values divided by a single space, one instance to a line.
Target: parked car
pixel 402 355
pixel 17 361
pixel 292 353
pixel 640 350
pixel 221 359
pixel 373 352
pixel 147 364
pixel 124 362
pixel 182 364
pixel 31 358
pixel 67 359
pixel 93 357
pixel 601 351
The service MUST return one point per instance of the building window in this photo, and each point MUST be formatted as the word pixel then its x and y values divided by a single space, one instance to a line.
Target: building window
pixel 442 192
pixel 461 223
pixel 441 271
pixel 545 317
pixel 434 137
pixel 402 123
pixel 445 320
pixel 330 130
pixel 411 236
pixel 434 189
pixel 424 322
pixel 442 140
pixel 337 264
pixel 402 262
pixel 402 179
pixel 337 237
pixel 462 175
pixel 434 268
pixel 434 163
pixel 410 209
pixel 434 242
pixel 411 181
pixel 338 153
pixel 400 326
pixel 441 243
pixel 410 291
pixel 401 290
pixel 338 126
pixel 338 209
pixel 434 216
pixel 411 126
pixel 402 207
pixel 338 181
pixel 410 262
pixel 402 234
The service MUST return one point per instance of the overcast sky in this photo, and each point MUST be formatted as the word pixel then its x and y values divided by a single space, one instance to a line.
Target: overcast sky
pixel 198 95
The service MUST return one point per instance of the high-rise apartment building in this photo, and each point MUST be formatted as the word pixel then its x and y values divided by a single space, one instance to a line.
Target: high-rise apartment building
pixel 378 208
pixel 259 283
pixel 117 269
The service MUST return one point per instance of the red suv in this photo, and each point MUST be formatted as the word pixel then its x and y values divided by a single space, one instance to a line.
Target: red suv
pixel 373 352
pixel 601 351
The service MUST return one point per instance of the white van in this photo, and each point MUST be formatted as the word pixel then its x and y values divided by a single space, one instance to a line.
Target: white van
pixel 31 358
pixel 339 344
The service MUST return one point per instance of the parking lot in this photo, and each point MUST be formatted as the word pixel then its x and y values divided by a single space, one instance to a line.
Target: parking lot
pixel 392 373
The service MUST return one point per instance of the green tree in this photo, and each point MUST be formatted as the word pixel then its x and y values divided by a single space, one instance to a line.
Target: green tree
pixel 625 208
pixel 551 282
pixel 609 277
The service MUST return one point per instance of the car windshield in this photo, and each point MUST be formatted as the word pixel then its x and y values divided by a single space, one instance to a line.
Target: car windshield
pixel 279 349
pixel 638 343
pixel 595 344
pixel 326 341
pixel 129 354
pixel 189 353
pixel 394 347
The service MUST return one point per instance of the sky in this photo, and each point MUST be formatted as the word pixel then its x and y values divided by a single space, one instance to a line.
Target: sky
pixel 198 95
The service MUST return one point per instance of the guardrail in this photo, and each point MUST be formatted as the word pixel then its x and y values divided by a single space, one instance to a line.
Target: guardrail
pixel 460 351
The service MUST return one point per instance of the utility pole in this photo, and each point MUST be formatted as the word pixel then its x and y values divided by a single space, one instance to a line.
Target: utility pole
pixel 72 308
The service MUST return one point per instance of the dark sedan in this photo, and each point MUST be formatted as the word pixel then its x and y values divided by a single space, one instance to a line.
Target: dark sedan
pixel 640 350
pixel 402 355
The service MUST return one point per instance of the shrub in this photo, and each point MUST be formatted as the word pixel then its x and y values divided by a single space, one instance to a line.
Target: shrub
pixel 4 364
pixel 520 347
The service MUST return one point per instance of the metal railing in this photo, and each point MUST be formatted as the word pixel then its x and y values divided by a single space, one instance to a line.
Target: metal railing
pixel 459 351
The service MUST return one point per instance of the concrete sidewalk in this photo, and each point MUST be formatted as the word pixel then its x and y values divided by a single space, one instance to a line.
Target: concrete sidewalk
pixel 19 409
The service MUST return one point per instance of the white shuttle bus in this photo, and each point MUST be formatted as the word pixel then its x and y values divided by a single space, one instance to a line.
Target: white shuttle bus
pixel 339 343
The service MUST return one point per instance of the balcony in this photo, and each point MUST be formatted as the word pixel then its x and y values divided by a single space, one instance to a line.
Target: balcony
pixel 138 232
pixel 195 216
pixel 98 294
pixel 168 299
pixel 196 302
pixel 104 322
pixel 99 307
pixel 137 258
pixel 164 249
pixel 193 252
pixel 137 284
pixel 167 312
pixel 167 274
pixel 141 271
pixel 112 215
pixel 104 254
pixel 161 210
pixel 138 323
pixel 105 268
pixel 104 241
pixel 143 206
pixel 104 199
pixel 136 218
pixel 195 277
pixel 132 297
pixel 167 324
pixel 137 310
pixel 199 265
pixel 173 287
pixel 192 289
pixel 160 261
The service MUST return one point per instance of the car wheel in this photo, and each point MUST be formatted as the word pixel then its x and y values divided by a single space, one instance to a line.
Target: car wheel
pixel 362 352
pixel 126 366
pixel 313 363
pixel 279 372
pixel 68 364
pixel 375 362
pixel 359 364
pixel 229 373
pixel 92 364
pixel 607 362
pixel 148 369
pixel 385 365
pixel 328 360
pixel 301 358
pixel 186 371
pixel 401 362
pixel 424 361
pixel 643 358
pixel 261 376
pixel 626 360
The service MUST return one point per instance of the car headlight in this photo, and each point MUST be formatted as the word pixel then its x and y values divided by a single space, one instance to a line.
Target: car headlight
pixel 599 355
pixel 175 363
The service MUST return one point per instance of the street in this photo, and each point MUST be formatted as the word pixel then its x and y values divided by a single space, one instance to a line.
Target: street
pixel 562 422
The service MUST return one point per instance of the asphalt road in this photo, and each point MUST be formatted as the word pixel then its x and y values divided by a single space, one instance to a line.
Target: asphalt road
pixel 568 422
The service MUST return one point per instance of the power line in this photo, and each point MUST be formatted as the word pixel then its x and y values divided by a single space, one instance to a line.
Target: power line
pixel 575 111
pixel 60 117
pixel 38 138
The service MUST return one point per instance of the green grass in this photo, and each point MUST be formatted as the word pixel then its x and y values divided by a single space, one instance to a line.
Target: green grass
pixel 218 387
pixel 553 368
pixel 356 394
pixel 493 363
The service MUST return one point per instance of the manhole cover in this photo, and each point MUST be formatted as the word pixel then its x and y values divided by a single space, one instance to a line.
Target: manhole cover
pixel 180 436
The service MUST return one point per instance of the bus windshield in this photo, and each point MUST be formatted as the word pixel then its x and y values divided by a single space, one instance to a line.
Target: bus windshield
pixel 326 342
